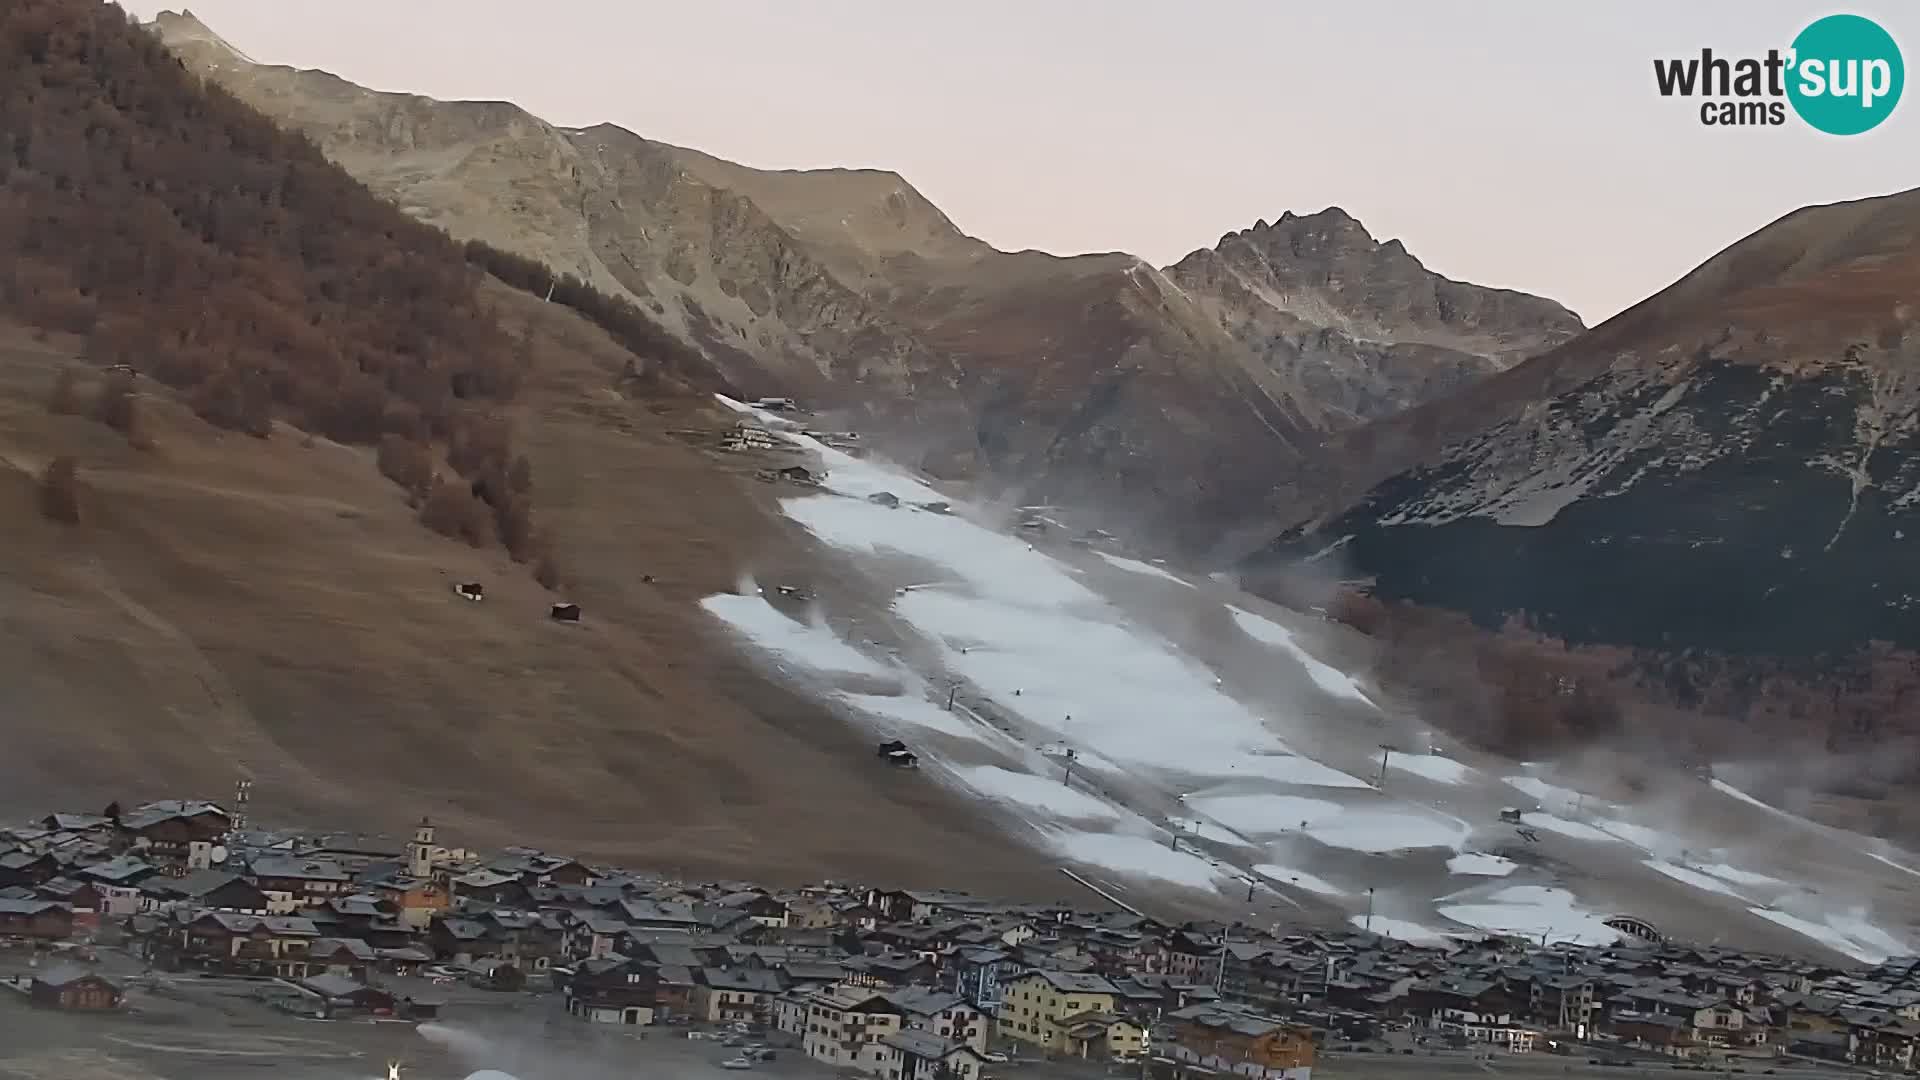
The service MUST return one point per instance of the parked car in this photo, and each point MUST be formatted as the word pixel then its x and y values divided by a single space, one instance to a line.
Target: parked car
pixel 736 1063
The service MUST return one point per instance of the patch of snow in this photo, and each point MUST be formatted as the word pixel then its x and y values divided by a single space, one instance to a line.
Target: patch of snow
pixel 1050 796
pixel 1399 929
pixel 1535 911
pixel 1093 682
pixel 1476 864
pixel 1574 829
pixel 1547 794
pixel 1264 815
pixel 1640 836
pixel 1729 790
pixel 813 645
pixel 1293 769
pixel 1897 866
pixel 1738 876
pixel 1848 934
pixel 1431 766
pixel 918 713
pixel 1380 831
pixel 1686 876
pixel 1138 567
pixel 1134 856
pixel 1299 879
pixel 994 565
pixel 1325 676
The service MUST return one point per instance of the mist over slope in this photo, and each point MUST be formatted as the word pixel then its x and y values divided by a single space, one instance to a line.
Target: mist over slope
pixel 1040 670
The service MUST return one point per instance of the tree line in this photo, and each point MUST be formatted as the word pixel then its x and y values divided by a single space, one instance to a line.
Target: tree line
pixel 189 238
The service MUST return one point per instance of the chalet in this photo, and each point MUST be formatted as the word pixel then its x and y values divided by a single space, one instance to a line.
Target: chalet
pixel 1033 1006
pixel 658 915
pixel 470 590
pixel 569 613
pixel 979 973
pixel 491 886
pixel 763 909
pixel 1212 1039
pixel 595 937
pixel 175 833
pixel 944 1015
pixel 78 823
pixel 1883 1042
pixel 1667 1035
pixel 614 991
pixel 1101 1035
pixel 917 1055
pixel 69 987
pixel 415 900
pixel 724 995
pixel 339 994
pixel 845 1027
pixel 909 905
pixel 347 957
pixel 40 920
pixel 294 883
pixel 355 853
pixel 118 881
pixel 244 944
pixel 527 940
pixel 83 898
pixel 895 753
pixel 208 890
pixel 28 868
pixel 459 940
pixel 890 970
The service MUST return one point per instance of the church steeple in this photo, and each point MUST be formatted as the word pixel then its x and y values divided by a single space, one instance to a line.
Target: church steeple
pixel 420 852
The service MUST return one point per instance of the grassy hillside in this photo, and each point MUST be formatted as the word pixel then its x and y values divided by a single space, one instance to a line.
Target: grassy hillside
pixel 238 590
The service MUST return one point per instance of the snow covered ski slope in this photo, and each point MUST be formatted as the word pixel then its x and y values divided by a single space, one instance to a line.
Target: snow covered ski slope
pixel 1188 747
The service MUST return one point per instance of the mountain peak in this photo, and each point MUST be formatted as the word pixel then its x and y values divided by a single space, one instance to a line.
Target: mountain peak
pixel 177 28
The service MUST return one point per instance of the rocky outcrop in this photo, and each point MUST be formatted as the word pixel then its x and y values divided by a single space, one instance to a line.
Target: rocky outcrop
pixel 1359 326
pixel 1722 483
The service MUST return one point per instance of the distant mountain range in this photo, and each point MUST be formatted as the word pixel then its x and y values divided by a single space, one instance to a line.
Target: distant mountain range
pixel 1159 397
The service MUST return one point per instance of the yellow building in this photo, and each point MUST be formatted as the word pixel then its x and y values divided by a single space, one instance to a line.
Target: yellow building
pixel 1037 1006
pixel 845 1026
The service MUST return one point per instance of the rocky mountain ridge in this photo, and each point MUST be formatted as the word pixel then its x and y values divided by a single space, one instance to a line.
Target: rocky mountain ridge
pixel 1098 379
pixel 1721 487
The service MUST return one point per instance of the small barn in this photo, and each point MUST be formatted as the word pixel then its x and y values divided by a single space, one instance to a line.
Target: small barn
pixel 342 994
pixel 564 613
pixel 72 987
pixel 895 753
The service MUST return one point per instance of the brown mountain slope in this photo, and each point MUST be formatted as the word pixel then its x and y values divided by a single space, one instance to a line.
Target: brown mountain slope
pixel 232 586
pixel 232 606
pixel 1165 399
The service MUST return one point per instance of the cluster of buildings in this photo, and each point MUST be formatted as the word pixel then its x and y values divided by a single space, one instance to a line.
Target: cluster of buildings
pixel 895 984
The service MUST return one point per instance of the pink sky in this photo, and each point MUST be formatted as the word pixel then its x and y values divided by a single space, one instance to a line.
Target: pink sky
pixel 1506 142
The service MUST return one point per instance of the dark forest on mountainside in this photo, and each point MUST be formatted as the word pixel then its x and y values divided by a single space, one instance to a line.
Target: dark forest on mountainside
pixel 185 236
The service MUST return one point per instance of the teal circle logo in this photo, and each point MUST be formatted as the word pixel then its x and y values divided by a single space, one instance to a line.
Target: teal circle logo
pixel 1847 75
